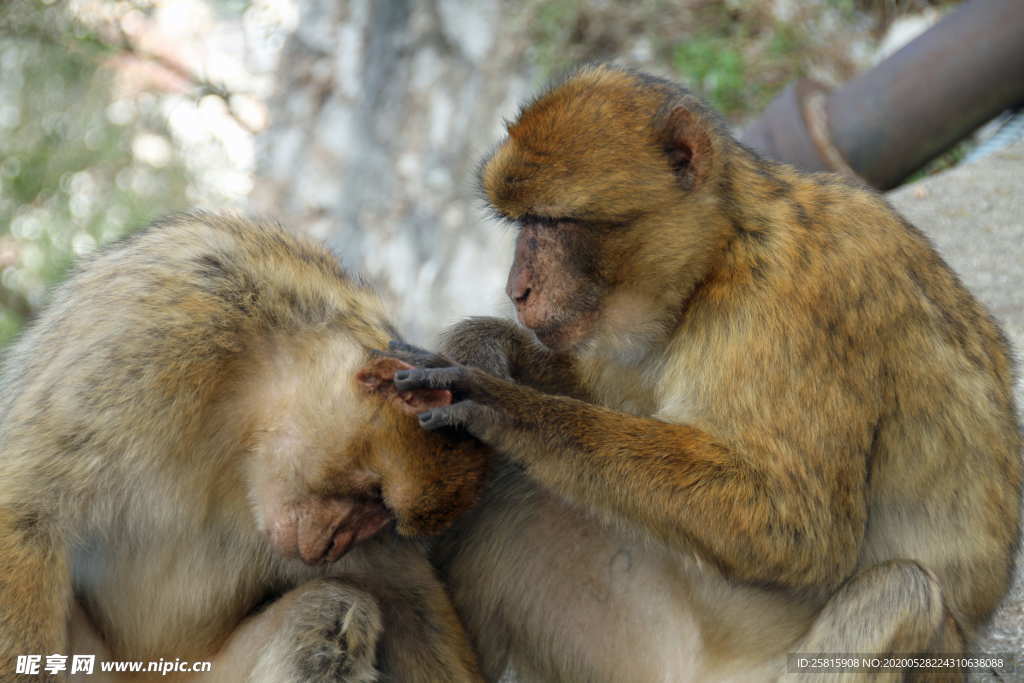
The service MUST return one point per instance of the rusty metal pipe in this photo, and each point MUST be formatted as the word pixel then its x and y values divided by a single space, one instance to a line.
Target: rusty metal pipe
pixel 888 122
pixel 966 69
pixel 781 131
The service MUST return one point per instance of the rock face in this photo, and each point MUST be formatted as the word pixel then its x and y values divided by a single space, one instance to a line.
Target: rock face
pixel 974 213
pixel 384 110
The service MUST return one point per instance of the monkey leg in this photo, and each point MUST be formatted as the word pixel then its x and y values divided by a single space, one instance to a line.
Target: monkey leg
pixel 423 639
pixel 396 625
pixel 35 594
pixel 324 630
pixel 895 608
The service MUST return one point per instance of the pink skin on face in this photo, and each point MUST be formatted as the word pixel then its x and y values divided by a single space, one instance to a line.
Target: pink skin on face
pixel 324 529
pixel 546 290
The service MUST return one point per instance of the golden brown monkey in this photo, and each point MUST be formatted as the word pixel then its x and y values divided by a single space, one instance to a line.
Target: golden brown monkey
pixel 763 415
pixel 195 428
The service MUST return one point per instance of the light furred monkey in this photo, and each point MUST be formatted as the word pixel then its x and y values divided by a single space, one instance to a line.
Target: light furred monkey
pixel 195 428
pixel 763 416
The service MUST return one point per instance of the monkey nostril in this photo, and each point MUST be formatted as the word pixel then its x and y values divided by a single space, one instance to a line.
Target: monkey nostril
pixel 518 288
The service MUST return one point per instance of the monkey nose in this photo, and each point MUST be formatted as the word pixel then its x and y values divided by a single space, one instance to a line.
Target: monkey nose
pixel 520 297
pixel 518 289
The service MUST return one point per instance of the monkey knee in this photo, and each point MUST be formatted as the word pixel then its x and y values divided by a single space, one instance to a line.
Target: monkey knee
pixel 903 584
pixel 332 633
pixel 481 343
pixel 915 602
pixel 894 607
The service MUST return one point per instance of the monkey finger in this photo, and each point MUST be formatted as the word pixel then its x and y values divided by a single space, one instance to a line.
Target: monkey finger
pixel 405 347
pixel 474 418
pixel 437 418
pixel 457 415
pixel 414 355
pixel 454 378
pixel 419 360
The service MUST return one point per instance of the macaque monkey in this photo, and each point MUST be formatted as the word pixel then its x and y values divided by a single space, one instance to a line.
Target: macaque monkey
pixel 755 413
pixel 200 458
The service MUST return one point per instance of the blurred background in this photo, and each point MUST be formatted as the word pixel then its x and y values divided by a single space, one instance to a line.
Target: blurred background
pixel 359 122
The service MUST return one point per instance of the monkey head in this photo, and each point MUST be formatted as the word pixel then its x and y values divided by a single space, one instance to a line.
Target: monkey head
pixel 609 180
pixel 331 465
pixel 428 479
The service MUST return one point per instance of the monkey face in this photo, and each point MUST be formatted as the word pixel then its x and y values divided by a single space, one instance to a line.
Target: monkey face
pixel 554 281
pixel 606 181
pixel 325 475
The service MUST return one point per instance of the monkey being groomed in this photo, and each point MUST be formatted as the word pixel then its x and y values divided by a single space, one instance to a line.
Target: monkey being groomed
pixel 201 459
pixel 763 416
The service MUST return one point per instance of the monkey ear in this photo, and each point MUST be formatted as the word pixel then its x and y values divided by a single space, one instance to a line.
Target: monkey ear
pixel 688 145
pixel 377 377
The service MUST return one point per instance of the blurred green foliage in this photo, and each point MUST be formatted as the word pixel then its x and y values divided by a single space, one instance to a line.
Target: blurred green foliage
pixel 69 179
pixel 713 65
pixel 548 34
pixel 736 53
pixel 740 60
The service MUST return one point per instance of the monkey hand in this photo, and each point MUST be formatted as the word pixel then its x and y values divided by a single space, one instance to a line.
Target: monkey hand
pixel 414 355
pixel 475 404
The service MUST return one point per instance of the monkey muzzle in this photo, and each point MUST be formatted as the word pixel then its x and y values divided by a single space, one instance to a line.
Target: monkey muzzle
pixel 322 530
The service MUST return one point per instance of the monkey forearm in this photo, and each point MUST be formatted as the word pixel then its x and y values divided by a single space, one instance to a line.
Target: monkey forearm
pixel 679 482
pixel 35 594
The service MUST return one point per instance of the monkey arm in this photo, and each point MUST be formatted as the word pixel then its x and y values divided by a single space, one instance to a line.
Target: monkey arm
pixel 738 506
pixel 35 592
pixel 505 349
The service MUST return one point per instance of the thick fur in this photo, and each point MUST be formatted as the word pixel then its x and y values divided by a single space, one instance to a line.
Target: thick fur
pixel 185 419
pixel 797 432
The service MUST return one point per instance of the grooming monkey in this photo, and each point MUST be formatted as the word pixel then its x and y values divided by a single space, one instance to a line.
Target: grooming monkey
pixel 199 450
pixel 763 416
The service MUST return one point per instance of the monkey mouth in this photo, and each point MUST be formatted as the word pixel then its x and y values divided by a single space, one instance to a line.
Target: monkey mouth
pixel 324 531
pixel 367 519
pixel 564 334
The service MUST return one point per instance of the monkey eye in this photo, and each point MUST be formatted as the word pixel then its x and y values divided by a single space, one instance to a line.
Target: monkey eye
pixel 536 219
pixel 547 221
